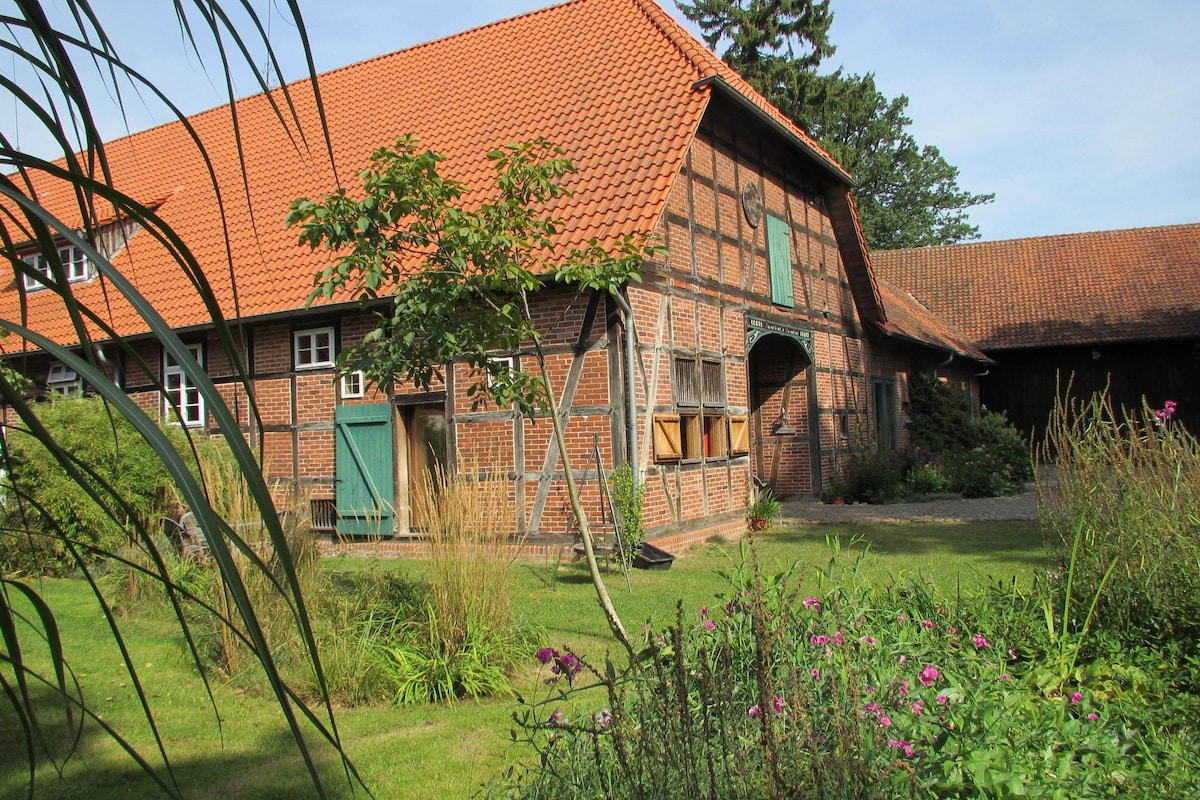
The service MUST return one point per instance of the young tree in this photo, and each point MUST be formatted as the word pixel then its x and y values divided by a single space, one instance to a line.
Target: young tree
pixel 908 195
pixel 458 276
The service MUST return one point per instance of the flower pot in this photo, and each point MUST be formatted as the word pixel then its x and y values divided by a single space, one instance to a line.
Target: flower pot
pixel 758 523
pixel 837 501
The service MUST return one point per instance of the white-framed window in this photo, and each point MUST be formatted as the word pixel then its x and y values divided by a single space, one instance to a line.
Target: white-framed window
pixel 182 399
pixel 63 381
pixel 354 384
pixel 313 348
pixel 74 261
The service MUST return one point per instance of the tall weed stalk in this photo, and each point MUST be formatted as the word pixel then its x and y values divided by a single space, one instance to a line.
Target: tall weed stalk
pixel 1120 494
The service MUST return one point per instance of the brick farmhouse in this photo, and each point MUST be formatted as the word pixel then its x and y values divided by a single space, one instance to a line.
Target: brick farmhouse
pixel 753 352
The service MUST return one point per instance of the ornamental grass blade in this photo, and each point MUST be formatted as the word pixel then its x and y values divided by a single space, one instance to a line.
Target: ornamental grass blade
pixel 57 98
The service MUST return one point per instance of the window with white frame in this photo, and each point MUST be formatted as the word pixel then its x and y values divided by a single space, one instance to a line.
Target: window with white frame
pixel 313 348
pixel 353 384
pixel 63 381
pixel 182 399
pixel 76 264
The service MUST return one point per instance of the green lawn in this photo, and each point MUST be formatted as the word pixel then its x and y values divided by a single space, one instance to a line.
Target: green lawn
pixel 443 751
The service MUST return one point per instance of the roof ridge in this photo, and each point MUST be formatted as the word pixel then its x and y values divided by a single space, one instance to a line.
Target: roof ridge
pixel 1042 237
pixel 706 62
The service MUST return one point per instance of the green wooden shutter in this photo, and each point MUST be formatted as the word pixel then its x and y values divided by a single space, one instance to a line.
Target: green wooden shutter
pixel 364 453
pixel 779 250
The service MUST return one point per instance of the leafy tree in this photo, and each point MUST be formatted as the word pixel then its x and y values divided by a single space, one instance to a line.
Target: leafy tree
pixel 459 276
pixel 908 195
pixel 60 61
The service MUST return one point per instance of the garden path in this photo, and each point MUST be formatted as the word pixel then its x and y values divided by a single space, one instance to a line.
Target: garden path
pixel 941 509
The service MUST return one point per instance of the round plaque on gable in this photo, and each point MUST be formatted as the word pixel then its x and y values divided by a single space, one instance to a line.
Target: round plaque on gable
pixel 752 204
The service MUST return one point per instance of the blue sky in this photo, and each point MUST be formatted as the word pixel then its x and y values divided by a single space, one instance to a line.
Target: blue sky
pixel 1079 114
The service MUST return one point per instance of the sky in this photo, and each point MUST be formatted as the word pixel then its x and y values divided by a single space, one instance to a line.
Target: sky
pixel 1079 115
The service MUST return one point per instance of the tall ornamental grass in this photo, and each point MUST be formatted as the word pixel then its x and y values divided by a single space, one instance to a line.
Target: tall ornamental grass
pixel 1120 499
pixel 464 641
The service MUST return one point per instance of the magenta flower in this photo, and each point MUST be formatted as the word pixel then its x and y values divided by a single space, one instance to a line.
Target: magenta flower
pixel 980 641
pixel 811 603
pixel 1076 697
pixel 709 624
pixel 902 746
pixel 546 655
pixel 918 708
pixel 902 659
pixel 901 618
pixel 867 640
pixel 816 673
pixel 1093 717
pixel 555 717
pixel 604 719
pixel 754 711
pixel 885 721
pixel 819 639
pixel 778 704
pixel 943 699
pixel 929 675
pixel 928 623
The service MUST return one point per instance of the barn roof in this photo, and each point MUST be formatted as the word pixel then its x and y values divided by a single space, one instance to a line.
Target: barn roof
pixel 1104 287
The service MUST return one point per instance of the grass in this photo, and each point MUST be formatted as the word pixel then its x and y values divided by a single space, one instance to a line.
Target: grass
pixel 444 750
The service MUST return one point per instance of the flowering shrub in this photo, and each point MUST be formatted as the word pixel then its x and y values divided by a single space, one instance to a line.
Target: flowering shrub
pixel 854 692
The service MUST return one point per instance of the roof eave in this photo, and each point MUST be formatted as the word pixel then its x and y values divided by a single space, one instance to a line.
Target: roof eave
pixel 831 168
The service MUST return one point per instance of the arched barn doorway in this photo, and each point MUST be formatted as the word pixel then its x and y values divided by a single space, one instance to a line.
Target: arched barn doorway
pixel 785 451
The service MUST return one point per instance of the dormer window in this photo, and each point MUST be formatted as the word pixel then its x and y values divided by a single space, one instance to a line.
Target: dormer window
pixel 76 264
pixel 63 381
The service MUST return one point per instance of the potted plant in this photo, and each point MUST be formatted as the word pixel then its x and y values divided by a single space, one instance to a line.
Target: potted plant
pixel 836 493
pixel 762 509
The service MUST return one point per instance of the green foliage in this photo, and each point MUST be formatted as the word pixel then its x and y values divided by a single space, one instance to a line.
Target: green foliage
pixel 983 456
pixel 856 691
pixel 908 195
pixel 47 510
pixel 763 508
pixel 873 476
pixel 628 495
pixel 1119 506
pixel 458 273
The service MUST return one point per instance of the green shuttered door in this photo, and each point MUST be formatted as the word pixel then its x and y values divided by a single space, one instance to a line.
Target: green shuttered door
pixel 364 470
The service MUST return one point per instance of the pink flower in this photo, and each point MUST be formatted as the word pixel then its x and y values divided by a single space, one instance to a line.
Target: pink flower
pixel 819 639
pixel 885 721
pixel 813 603
pixel 755 711
pixel 816 673
pixel 554 718
pixel 709 624
pixel 903 659
pixel 867 640
pixel 980 641
pixel 953 630
pixel 918 708
pixel 1093 717
pixel 902 746
pixel 1076 697
pixel 837 638
pixel 941 698
pixel 778 703
pixel 604 719
pixel 928 623
pixel 901 618
pixel 1005 676
pixel 929 675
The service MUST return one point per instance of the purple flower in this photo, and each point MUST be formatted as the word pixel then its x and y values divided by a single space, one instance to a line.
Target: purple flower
pixel 929 675
pixel 755 711
pixel 554 718
pixel 867 640
pixel 546 655
pixel 918 708
pixel 813 603
pixel 902 746
pixel 709 624
pixel 819 638
pixel 1076 697
pixel 980 641
pixel 567 664
pixel 928 623
pixel 604 719
pixel 941 698
pixel 1093 717
pixel 778 704
pixel 885 721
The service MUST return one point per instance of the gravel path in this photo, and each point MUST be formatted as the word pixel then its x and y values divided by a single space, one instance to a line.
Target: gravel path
pixel 955 509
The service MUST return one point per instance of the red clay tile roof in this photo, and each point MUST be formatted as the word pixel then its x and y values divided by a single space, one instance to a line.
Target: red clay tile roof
pixel 617 83
pixel 1076 289
pixel 908 319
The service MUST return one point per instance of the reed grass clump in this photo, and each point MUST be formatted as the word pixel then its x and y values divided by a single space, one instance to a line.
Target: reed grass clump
pixel 1120 498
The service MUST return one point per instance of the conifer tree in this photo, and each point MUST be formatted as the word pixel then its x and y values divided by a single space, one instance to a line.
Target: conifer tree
pixel 908 195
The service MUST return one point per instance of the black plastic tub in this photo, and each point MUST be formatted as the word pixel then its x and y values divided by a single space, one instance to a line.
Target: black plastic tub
pixel 650 557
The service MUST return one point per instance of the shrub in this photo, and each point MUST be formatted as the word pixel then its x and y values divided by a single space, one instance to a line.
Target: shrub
pixel 923 479
pixel 628 496
pixel 855 692
pixel 873 476
pixel 44 506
